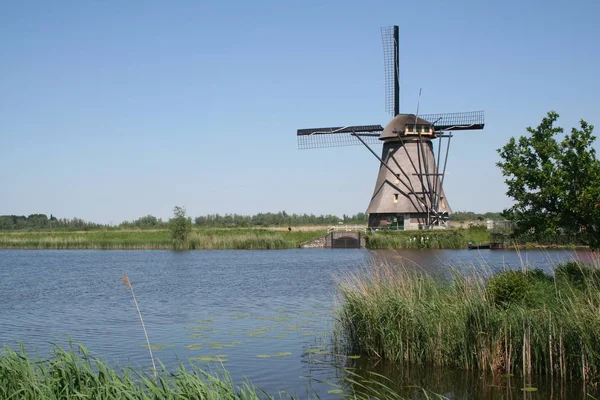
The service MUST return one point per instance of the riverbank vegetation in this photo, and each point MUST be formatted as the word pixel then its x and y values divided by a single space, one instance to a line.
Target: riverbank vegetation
pixel 75 374
pixel 68 375
pixel 525 322
pixel 229 239
pixel 436 239
pixel 199 239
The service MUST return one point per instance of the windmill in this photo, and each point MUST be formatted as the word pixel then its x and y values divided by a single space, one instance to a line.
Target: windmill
pixel 409 190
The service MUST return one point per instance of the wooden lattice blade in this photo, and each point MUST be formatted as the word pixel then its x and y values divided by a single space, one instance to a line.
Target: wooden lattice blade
pixel 460 121
pixel 339 136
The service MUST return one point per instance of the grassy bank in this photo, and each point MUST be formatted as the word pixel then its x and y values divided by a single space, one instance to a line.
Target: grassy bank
pixel 516 322
pixel 158 239
pixel 437 239
pixel 75 374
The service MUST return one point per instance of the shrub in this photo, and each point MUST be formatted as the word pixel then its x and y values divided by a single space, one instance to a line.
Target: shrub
pixel 577 274
pixel 180 227
pixel 508 287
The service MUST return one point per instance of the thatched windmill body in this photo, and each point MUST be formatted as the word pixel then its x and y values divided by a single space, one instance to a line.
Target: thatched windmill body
pixel 409 190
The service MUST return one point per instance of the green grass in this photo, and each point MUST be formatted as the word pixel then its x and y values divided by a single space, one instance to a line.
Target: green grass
pixel 74 374
pixel 523 322
pixel 71 375
pixel 157 239
pixel 435 239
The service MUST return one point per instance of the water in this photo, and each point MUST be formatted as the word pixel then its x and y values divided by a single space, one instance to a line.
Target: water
pixel 265 314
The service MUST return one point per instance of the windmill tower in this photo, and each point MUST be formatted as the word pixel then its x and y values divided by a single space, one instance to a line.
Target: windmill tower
pixel 409 190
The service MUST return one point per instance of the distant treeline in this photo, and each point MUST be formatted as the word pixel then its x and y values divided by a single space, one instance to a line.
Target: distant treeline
pixel 42 221
pixel 277 219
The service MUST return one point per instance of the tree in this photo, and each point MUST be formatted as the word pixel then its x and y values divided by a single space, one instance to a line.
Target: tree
pixel 554 183
pixel 180 227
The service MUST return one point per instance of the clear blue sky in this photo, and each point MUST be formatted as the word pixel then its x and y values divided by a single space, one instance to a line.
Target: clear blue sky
pixel 111 110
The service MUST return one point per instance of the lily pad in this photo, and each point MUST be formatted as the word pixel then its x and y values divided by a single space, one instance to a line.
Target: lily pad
pixel 317 351
pixel 156 346
pixel 232 344
pixel 280 354
pixel 198 335
pixel 260 334
pixel 209 358
pixel 199 328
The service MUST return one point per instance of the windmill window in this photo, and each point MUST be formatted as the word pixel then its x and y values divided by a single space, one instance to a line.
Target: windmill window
pixel 411 128
pixel 395 198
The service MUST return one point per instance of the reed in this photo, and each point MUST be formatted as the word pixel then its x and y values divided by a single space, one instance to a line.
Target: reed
pixel 158 239
pixel 129 286
pixel 75 374
pixel 523 322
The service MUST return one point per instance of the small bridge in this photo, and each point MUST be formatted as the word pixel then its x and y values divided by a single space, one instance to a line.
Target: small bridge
pixel 345 237
pixel 339 237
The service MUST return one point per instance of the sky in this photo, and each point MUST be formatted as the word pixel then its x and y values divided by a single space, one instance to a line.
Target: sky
pixel 112 110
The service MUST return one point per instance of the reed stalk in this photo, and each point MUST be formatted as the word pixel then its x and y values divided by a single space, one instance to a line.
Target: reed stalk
pixel 128 285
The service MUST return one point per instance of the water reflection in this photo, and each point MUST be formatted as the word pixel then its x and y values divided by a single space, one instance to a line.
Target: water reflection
pixel 443 262
pixel 413 381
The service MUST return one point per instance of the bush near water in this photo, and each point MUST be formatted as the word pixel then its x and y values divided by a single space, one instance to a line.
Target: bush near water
pixel 524 322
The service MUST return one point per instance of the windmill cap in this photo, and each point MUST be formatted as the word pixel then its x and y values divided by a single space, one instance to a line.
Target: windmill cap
pixel 399 123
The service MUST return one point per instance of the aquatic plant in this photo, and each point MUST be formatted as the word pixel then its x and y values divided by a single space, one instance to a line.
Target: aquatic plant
pixel 523 322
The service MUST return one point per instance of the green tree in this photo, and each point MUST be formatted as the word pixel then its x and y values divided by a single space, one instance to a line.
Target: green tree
pixel 553 183
pixel 180 227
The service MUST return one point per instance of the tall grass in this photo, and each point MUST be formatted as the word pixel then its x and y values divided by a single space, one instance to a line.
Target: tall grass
pixel 516 321
pixel 158 239
pixel 71 375
pixel 416 240
pixel 249 239
pixel 75 374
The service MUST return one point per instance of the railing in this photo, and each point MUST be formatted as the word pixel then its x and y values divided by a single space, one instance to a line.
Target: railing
pixel 347 228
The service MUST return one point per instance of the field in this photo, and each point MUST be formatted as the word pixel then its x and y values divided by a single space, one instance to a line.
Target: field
pixel 268 238
pixel 159 239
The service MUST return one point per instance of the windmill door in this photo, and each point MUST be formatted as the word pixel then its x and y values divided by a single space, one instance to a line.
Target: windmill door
pixel 397 223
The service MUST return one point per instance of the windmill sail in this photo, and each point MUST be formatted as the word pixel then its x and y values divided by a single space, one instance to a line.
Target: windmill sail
pixel 391 65
pixel 315 138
